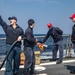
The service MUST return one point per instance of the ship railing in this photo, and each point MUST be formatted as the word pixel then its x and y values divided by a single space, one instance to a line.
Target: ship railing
pixel 67 47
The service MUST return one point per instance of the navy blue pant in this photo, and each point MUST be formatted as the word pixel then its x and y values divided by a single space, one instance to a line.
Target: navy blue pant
pixel 58 46
pixel 29 61
pixel 13 56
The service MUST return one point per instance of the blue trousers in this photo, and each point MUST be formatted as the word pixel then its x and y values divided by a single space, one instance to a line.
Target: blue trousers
pixel 29 61
pixel 58 46
pixel 13 56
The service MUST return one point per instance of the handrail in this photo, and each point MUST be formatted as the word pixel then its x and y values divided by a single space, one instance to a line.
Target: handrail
pixel 2 38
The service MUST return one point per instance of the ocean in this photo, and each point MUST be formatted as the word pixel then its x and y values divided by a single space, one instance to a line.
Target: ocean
pixel 66 43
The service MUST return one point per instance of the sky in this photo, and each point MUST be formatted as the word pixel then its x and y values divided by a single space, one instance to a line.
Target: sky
pixel 43 12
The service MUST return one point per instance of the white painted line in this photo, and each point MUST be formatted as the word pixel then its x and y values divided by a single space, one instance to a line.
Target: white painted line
pixel 49 63
pixel 40 68
pixel 52 63
pixel 44 64
pixel 2 69
pixel 37 67
pixel 22 66
pixel 68 61
pixel 42 74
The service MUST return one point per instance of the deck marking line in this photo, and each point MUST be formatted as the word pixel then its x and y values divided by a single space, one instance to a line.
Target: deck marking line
pixel 52 63
pixel 45 64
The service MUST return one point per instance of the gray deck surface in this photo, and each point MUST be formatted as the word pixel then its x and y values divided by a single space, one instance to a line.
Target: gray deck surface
pixel 52 69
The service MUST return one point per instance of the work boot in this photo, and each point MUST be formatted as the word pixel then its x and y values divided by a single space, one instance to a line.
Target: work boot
pixel 26 72
pixel 59 62
pixel 72 72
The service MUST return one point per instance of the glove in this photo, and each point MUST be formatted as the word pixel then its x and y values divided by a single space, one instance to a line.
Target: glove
pixel 41 46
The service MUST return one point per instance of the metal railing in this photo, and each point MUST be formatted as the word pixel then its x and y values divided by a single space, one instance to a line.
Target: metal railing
pixel 67 47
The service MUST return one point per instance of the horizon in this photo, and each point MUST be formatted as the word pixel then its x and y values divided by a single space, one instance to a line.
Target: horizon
pixel 38 34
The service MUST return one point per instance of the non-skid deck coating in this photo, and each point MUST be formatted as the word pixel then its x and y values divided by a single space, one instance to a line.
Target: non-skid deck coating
pixel 50 68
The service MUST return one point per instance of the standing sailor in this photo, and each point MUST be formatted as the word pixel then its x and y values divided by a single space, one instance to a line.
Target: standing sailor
pixel 29 44
pixel 73 35
pixel 13 32
pixel 56 34
pixel 73 31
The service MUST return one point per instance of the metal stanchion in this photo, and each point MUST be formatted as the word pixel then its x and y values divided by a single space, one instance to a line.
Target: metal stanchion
pixel 68 50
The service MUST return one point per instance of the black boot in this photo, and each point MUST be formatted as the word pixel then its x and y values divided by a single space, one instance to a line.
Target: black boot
pixel 26 72
pixel 72 72
pixel 59 62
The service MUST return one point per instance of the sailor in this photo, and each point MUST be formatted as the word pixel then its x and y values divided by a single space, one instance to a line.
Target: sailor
pixel 72 17
pixel 73 31
pixel 56 34
pixel 29 44
pixel 13 32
